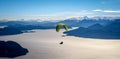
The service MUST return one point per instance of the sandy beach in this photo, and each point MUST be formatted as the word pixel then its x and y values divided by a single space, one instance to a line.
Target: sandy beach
pixel 44 44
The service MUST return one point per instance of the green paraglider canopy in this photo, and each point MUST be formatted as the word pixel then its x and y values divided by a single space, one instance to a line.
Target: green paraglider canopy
pixel 60 25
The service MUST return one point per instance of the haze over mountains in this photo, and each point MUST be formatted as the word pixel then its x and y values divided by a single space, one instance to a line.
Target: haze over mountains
pixel 108 31
pixel 100 26
pixel 75 21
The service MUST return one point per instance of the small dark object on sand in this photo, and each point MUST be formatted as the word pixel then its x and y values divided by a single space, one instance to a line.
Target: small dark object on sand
pixel 61 42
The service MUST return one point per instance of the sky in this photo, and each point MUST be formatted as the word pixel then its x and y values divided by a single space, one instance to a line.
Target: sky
pixel 57 9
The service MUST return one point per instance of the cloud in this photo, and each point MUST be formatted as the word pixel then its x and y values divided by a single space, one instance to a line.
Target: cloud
pixel 65 15
pixel 62 15
pixel 98 10
pixel 112 11
pixel 107 11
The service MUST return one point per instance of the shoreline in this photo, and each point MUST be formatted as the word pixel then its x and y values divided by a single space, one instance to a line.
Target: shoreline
pixel 44 44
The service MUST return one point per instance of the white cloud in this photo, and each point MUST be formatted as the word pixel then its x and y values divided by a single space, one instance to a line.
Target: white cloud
pixel 98 10
pixel 62 15
pixel 53 16
pixel 107 11
pixel 65 15
pixel 112 11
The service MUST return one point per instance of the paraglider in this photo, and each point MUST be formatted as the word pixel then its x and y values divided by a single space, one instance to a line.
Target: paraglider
pixel 59 26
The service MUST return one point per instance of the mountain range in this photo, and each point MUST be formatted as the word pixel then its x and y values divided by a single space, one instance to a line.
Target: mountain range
pixel 17 27
pixel 109 31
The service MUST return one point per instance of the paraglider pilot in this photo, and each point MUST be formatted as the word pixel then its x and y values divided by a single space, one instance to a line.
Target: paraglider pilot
pixel 59 26
pixel 61 42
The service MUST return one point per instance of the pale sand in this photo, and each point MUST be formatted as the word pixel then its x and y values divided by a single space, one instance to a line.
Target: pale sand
pixel 44 44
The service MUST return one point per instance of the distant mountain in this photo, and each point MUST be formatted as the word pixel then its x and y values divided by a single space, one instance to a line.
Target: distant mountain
pixel 96 27
pixel 71 22
pixel 9 31
pixel 26 23
pixel 114 26
pixel 110 31
pixel 86 21
pixel 16 27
